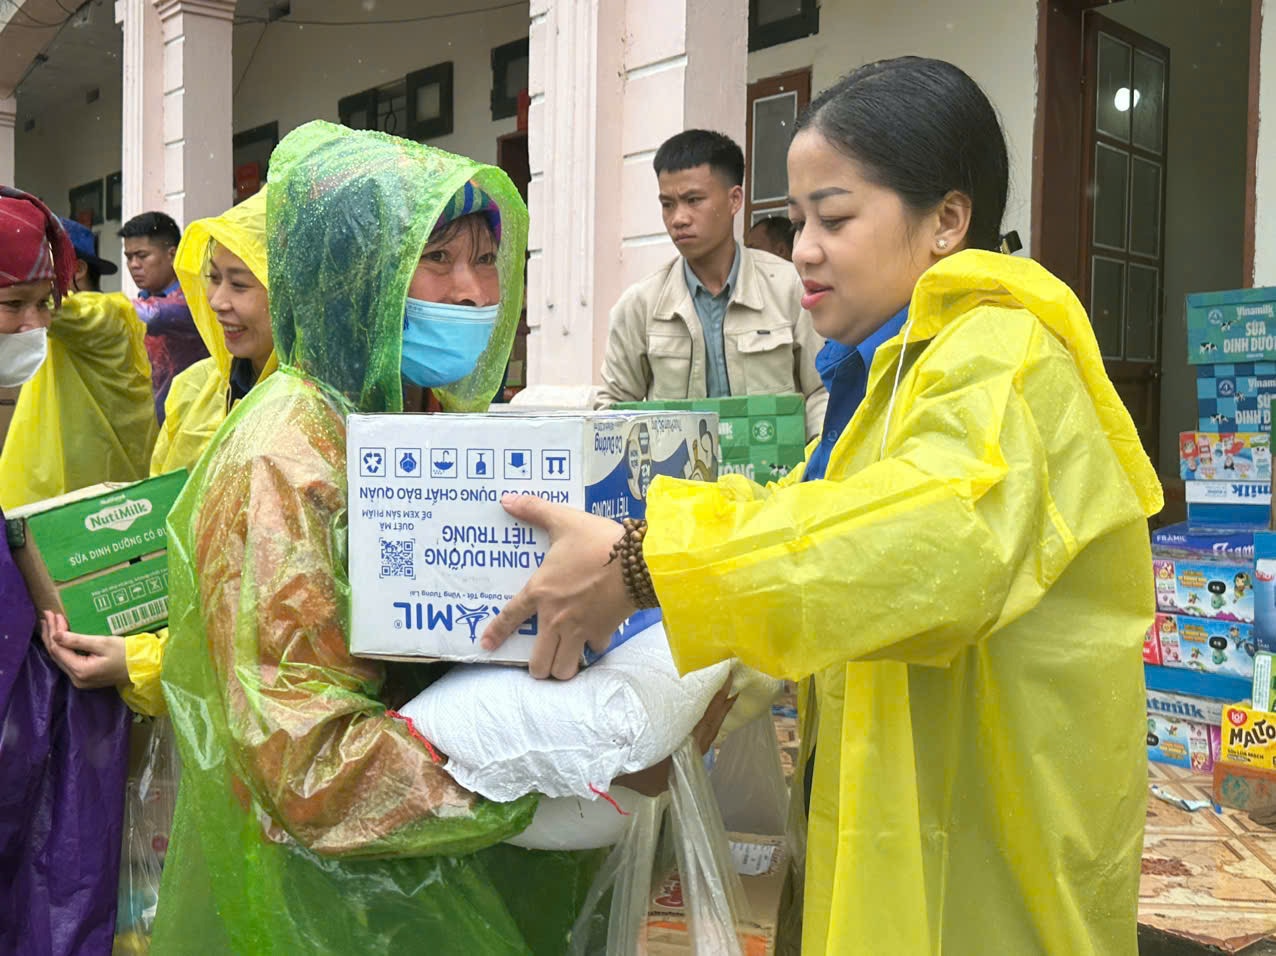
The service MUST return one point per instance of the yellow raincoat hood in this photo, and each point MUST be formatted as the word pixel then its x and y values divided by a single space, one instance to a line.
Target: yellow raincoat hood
pixel 242 230
pixel 965 597
pixel 199 399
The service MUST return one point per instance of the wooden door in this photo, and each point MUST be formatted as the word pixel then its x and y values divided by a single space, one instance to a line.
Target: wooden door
pixel 775 103
pixel 1125 83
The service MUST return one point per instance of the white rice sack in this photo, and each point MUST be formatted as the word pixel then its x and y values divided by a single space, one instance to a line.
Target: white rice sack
pixel 573 823
pixel 507 734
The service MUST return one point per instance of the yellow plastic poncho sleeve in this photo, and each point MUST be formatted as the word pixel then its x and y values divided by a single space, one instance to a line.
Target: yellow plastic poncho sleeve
pixel 84 417
pixel 965 603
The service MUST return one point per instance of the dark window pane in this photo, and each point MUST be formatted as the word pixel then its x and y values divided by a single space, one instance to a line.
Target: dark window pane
pixel 1107 292
pixel 1111 187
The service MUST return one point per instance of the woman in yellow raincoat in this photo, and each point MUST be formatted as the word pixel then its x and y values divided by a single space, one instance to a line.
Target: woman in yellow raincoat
pixel 960 576
pixel 310 817
pixel 221 264
pixel 84 417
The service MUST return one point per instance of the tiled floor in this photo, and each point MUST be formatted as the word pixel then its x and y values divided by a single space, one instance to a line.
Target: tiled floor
pixel 1207 876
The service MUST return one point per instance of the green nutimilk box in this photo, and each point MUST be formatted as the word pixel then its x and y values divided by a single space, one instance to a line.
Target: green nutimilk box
pixel 101 553
pixel 759 436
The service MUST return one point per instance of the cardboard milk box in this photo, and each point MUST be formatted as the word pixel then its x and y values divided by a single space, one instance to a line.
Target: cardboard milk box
pixel 759 436
pixel 1222 590
pixel 1235 397
pixel 1215 456
pixel 100 554
pixel 1234 326
pixel 1226 504
pixel 434 556
pixel 1205 645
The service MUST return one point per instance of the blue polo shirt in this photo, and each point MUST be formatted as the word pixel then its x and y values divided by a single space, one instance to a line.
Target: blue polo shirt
pixel 844 371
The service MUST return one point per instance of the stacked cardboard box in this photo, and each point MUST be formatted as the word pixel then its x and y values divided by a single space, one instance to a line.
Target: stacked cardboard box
pixel 759 436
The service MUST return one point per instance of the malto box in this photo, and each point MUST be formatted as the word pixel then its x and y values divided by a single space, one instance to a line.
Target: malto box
pixel 433 556
pixel 100 554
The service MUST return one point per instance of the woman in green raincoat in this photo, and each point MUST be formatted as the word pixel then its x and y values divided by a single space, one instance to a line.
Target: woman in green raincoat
pixel 960 575
pixel 310 817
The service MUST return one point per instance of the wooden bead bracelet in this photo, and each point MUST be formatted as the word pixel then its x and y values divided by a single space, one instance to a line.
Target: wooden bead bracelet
pixel 633 566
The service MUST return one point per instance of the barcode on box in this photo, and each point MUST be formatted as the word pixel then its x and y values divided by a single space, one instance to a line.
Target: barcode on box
pixel 134 617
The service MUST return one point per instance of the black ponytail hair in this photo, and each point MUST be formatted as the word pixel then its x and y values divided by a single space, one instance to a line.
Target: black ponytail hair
pixel 921 128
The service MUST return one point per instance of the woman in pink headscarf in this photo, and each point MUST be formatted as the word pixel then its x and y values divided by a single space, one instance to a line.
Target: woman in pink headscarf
pixel 63 752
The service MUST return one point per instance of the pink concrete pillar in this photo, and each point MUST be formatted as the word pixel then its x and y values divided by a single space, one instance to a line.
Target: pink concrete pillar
pixel 197 85
pixel 8 118
pixel 609 81
pixel 142 135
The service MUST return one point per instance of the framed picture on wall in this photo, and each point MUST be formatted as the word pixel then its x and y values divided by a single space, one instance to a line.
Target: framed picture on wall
pixel 509 77
pixel 114 197
pixel 429 98
pixel 86 203
pixel 250 152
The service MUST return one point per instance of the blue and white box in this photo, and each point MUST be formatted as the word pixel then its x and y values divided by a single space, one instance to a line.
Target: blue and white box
pixel 1228 504
pixel 1186 540
pixel 434 556
pixel 1235 397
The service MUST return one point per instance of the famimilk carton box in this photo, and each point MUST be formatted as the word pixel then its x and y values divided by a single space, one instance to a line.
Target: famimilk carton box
pixel 434 556
pixel 100 554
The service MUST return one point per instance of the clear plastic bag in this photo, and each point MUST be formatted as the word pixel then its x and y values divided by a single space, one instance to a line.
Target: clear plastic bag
pixel 690 832
pixel 150 799
pixel 748 779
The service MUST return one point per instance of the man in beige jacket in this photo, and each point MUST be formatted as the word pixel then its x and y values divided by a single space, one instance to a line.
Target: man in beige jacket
pixel 720 319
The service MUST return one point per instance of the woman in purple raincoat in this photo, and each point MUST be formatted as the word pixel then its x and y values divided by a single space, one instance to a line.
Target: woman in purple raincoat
pixel 63 752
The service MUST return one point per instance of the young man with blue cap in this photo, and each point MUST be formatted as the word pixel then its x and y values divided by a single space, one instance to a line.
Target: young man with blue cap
pixel 89 267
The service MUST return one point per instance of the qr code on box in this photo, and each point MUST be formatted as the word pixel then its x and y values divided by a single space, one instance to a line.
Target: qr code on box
pixel 396 559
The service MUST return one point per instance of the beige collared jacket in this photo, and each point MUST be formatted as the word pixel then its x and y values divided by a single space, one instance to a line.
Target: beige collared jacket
pixel 655 346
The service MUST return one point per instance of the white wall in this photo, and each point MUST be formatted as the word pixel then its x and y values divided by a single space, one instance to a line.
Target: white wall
pixel 992 40
pixel 76 144
pixel 300 72
pixel 1265 203
pixel 1205 175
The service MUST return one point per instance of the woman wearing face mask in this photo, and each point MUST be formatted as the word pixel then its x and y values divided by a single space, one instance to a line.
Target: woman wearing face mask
pixel 55 805
pixel 221 264
pixel 82 416
pixel 960 573
pixel 310 817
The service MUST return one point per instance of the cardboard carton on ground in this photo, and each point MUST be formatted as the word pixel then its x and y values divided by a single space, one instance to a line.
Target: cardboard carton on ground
pixel 1183 743
pixel 763 865
pixel 433 555
pixel 99 554
pixel 1242 787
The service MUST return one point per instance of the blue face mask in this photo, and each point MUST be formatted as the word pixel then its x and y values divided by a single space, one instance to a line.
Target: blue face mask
pixel 442 343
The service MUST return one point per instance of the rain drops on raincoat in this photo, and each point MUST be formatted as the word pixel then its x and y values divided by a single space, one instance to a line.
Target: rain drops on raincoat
pixel 88 415
pixel 968 588
pixel 311 819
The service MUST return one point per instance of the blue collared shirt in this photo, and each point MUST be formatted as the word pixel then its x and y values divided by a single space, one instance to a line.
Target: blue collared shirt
pixel 712 310
pixel 844 371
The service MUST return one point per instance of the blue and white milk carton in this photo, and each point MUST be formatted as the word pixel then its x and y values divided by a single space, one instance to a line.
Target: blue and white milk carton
pixel 434 556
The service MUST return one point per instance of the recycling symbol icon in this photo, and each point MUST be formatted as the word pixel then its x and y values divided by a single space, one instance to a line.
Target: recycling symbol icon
pixel 373 463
